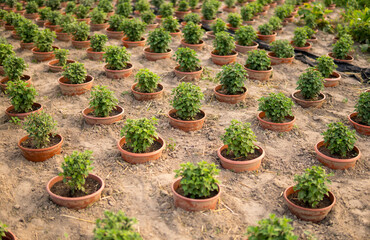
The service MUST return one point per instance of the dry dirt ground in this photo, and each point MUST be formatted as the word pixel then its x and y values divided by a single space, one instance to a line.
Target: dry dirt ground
pixel 143 191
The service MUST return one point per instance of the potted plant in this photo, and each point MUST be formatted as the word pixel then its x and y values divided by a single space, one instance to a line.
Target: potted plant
pixel 266 33
pixel 182 9
pixel 124 9
pixel 341 49
pixel 193 4
pixel 117 59
pixel 148 18
pixel 75 80
pixel 165 10
pixel 41 143
pixel 189 65
pixel 247 13
pixel 6 50
pixel 208 12
pixel 223 52
pixel 147 86
pixel 98 20
pixel 31 10
pixel 82 13
pixel 115 226
pixel 10 5
pixel 141 6
pixel 134 30
pixel 52 20
pixel 67 27
pixel 218 26
pixel 360 119
pixel 75 187
pixel 234 21
pixel 310 84
pixel 300 40
pixel 276 24
pixel 272 227
pixel 3 13
pixel 310 34
pixel 192 17
pixel 107 7
pixel 27 31
pixel 230 6
pixel 10 20
pixel 157 3
pixel 44 48
pixel 103 107
pixel 326 66
pixel 196 188
pixel 186 102
pixel 276 112
pixel 43 14
pixel 5 233
pixel 330 4
pixel 60 61
pixel 310 199
pixel 53 4
pixel 96 51
pixel 258 65
pixel 338 150
pixel 245 38
pixel 158 41
pixel 70 8
pixel 281 52
pixel 81 38
pixel 19 8
pixel 192 37
pixel 13 70
pixel 115 29
pixel 171 25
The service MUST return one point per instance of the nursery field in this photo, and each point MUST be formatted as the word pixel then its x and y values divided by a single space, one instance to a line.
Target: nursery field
pixel 143 191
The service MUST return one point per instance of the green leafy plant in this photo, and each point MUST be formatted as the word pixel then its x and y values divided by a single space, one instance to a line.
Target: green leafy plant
pixel 3 229
pixel 86 3
pixel 44 40
pixel 283 11
pixel 14 67
pixel 198 181
pixel 159 40
pixel 3 13
pixel 157 3
pixel 27 31
pixel 247 12
pixel 245 36
pixel 148 17
pixel 61 55
pixel 342 47
pixel 312 185
pixel 193 4
pixel 276 106
pixel 192 33
pixel 310 83
pixel 359 25
pixel 44 12
pixel 232 78
pixel 40 126
pixel 325 65
pixel 218 26
pixel 339 139
pixel 76 168
pixel 106 6
pixel 98 16
pixel 266 29
pixel 147 81
pixel 170 24
pixel 134 29
pixel 31 7
pixel 187 59
pixel 166 10
pixel 67 23
pixel 310 32
pixel 70 8
pixel 11 3
pixel 40 3
pixel 6 50
pixel 19 6
pixel 115 23
pixel 192 17
pixel 12 18
pixel 98 42
pixel 75 73
pixel 116 57
pixel 209 10
pixel 224 44
pixel 258 60
pixel 102 101
pixel 234 19
pixel 115 226
pixel 54 17
pixel 272 228
pixel 142 5
pixel 186 100
pixel 81 31
pixel 300 37
pixel 276 23
pixel 124 9
pixel 21 95
pixel 363 108
pixel 230 3
pixel 183 6
pixel 53 4
pixel 282 49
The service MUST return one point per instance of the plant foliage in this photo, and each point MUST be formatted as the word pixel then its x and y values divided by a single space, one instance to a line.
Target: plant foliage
pixel 21 95
pixel 311 82
pixel 342 47
pixel 276 107
pixel 258 60
pixel 187 59
pixel 102 101
pixel 282 49
pixel 44 40
pixel 159 40
pixel 192 33
pixel 98 42
pixel 14 67
pixel 187 100
pixel 134 29
pixel 363 108
pixel 116 57
pixel 325 65
pixel 224 44
pixel 232 78
pixel 339 139
pixel 245 36
pixel 75 72
pixel 147 81
pixel 218 26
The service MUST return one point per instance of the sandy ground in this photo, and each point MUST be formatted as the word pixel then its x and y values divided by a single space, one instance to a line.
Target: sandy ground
pixel 143 191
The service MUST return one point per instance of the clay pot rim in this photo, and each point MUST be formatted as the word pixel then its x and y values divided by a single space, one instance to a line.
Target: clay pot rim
pixel 53 62
pixel 59 31
pixel 108 30
pixel 348 57
pixel 35 48
pixel 307 101
pixel 89 79
pixel 130 67
pixel 194 199
pixel 178 31
pixel 183 11
pixel 260 149
pixel 143 39
pixel 321 143
pixel 272 55
pixel 255 44
pixel 273 34
pixel 235 53
pixel 28 77
pixel 26 43
pixel 354 114
pixel 273 123
pixel 188 73
pixel 39 149
pixel 49 24
pixel 307 45
pixel 40 107
pixel 99 24
pixel 201 43
pixel 101 118
pixel 331 195
pixel 159 139
pixel 146 50
pixel 259 71
pixel 338 76
pixel 227 95
pixel 73 40
pixel 184 121
pixel 147 94
pixel 90 50
pixel 48 187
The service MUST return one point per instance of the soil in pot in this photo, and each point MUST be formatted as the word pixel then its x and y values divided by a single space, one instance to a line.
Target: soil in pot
pixel 187 125
pixel 55 67
pixel 305 103
pixel 322 204
pixel 43 56
pixel 349 59
pixel 36 107
pixel 222 96
pixel 332 80
pixel 40 154
pixel 307 47
pixel 114 116
pixel 357 123
pixel 285 126
pixel 276 61
pixel 188 76
pixel 114 34
pixel 62 189
pixel 157 94
pixel 223 60
pixel 117 74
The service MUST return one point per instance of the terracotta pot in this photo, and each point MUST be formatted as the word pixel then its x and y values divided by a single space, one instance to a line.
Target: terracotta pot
pixel 9 111
pixel 233 99
pixel 137 158
pixel 147 96
pixel 188 76
pixel 313 39
pixel 306 48
pixel 27 46
pixel 130 44
pixel 267 38
pixel 307 103
pixel 336 163
pixel 9 27
pixel 94 56
pixel 117 74
pixel 42 154
pixel 196 10
pixel 152 56
pixel 180 15
pixel 15 35
pixel 53 67
pixel 289 19
pixel 98 27
pixel 183 24
pixel 273 4
pixel 245 49
pixel 331 7
pixel 31 16
pixel 262 75
pixel 40 22
pixel 92 120
pixel 255 17
pixel 75 89
pixel 9 236
pixel 43 56
pixel 277 61
pixel 2 70
pixel 80 44
pixel 51 27
pixel 263 13
pixel 114 34
pixel 151 27
pixel 196 47
pixel 176 35
pixel 308 214
pixel 266 7
pixel 241 166
pixel 231 28
pixel 186 126
pixel 208 22
pixel 279 31
pixel 61 36
pixel 279 127
pixel 251 22
pixel 349 59
pixel 86 20
pixel 158 18
pixel 190 204
pixel 360 128
pixel 229 10
pixel 77 202
pixel 332 82
pixel 223 60
pixel 210 35
pixel 4 80
pixel 9 9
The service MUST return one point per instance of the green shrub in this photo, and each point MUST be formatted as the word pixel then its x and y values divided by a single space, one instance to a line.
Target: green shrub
pixel 19 6
pixel 310 83
pixel 300 37
pixel 234 19
pixel 282 11
pixel 75 72
pixel 359 26
pixel 266 29
pixel 44 40
pixel 12 18
pixel 157 3
pixel 3 229
pixel 44 12
pixel 116 57
pixel 186 100
pixel 67 23
pixel 21 95
pixel 124 9
pixel 339 139
pixel 81 31
pixel 245 36
pixel 81 11
pixel 3 13
pixel 102 101
pixel 311 185
pixel 208 10
pixel 218 26
pixel 98 42
pixel 342 47
pixel 247 12
pixel 86 3
pixel 54 17
pixel 232 78
pixel 147 81
pixel 142 6
pixel 70 8
pixel 53 4
pixel 40 126
pixel 134 29
pixel 192 17
pixel 224 44
pixel 325 65
pixel 258 60
pixel 170 24
pixel 276 107
pixel 187 59
pixel 282 49
pixel 198 181
pixel 230 3
pixel 40 3
pixel 166 10
pixel 61 55
pixel 159 40
pixel 192 33
pixel 310 32
pixel 11 3
pixel 98 16
pixel 5 51
pixel 115 23
pixel 183 6
pixel 363 108
pixel 106 6
pixel 27 31
pixel 31 7
pixel 115 226
pixel 148 17
pixel 276 23
pixel 14 67
pixel 76 168
pixel 193 4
